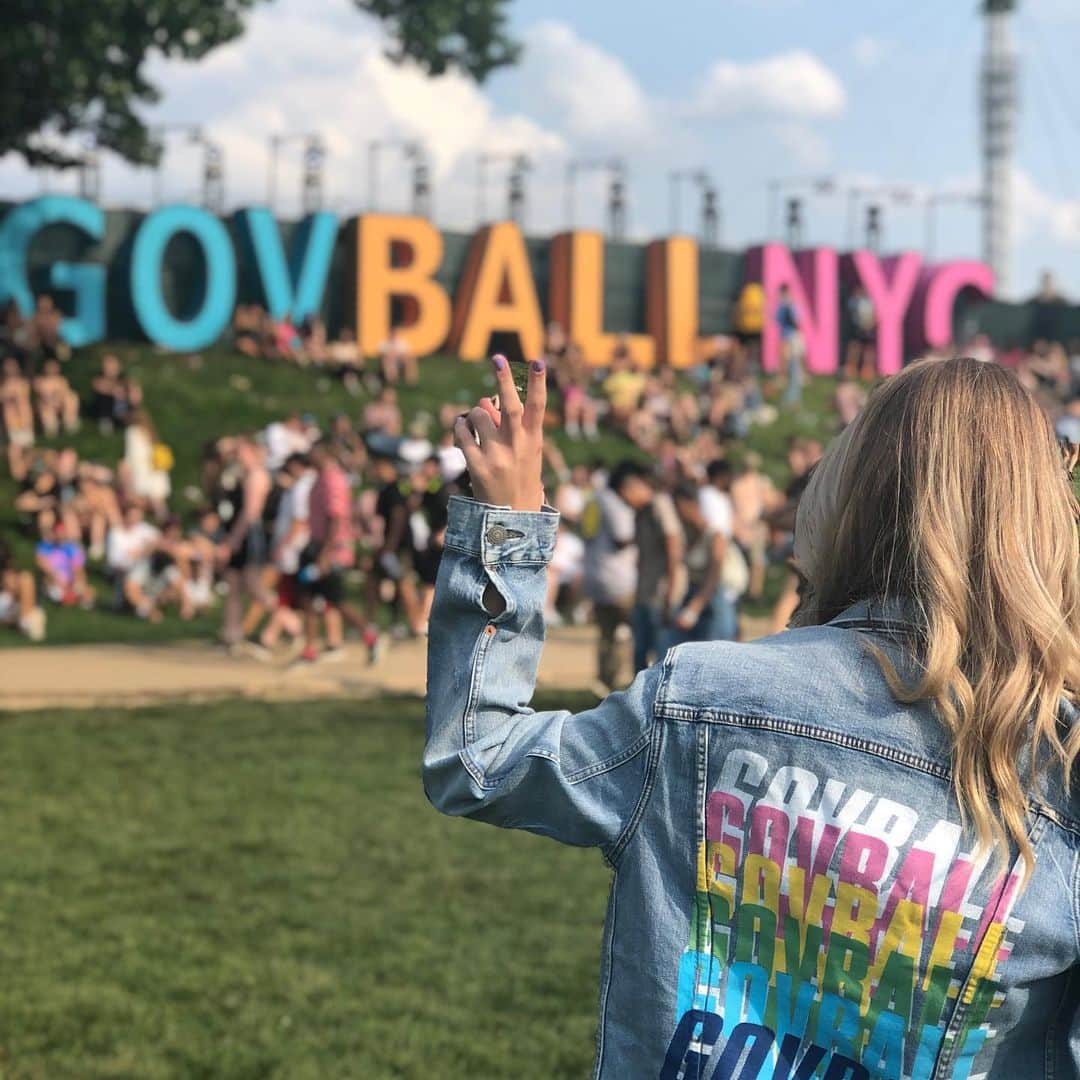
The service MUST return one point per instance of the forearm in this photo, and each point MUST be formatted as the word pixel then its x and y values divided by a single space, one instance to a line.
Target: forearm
pixel 488 610
pixel 488 754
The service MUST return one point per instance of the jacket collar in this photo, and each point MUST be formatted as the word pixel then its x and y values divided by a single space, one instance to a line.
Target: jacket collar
pixel 889 614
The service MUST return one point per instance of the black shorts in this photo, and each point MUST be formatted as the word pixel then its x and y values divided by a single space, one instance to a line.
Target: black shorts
pixel 329 587
pixel 426 565
pixel 253 550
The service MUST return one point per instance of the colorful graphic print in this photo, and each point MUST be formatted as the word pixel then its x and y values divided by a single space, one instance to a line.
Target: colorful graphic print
pixel 836 934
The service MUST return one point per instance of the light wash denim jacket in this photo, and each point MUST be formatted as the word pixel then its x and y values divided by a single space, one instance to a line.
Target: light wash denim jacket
pixel 793 893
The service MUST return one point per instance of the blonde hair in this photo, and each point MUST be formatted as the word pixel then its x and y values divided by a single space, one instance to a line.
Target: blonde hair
pixel 949 492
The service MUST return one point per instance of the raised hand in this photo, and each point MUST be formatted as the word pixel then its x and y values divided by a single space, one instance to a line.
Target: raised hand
pixel 504 444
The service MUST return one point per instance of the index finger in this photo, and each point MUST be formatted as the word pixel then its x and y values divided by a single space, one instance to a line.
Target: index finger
pixel 536 398
pixel 509 401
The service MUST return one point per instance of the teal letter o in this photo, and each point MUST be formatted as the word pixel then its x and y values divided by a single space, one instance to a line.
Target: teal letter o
pixel 159 324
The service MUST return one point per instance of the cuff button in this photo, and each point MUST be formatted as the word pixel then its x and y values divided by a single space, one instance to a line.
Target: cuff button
pixel 497 534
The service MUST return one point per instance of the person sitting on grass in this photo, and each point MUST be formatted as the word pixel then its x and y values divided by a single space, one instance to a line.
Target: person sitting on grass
pixel 18 598
pixel 344 359
pixel 61 561
pixel 129 548
pixel 17 414
pixel 57 404
pixel 397 361
pixel 114 395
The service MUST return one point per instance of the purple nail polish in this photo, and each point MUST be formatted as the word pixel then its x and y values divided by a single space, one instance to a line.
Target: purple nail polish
pixel 538 366
pixel 500 362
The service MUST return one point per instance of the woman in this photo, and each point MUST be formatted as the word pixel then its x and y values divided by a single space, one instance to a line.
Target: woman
pixel 146 480
pixel 17 415
pixel 848 850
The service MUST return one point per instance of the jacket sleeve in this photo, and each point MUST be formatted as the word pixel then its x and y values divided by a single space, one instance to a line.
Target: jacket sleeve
pixel 579 778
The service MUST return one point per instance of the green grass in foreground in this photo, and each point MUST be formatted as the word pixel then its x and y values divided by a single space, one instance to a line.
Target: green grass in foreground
pixel 248 890
pixel 196 399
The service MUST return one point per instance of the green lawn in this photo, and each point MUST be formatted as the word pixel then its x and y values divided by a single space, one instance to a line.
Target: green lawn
pixel 249 890
pixel 195 399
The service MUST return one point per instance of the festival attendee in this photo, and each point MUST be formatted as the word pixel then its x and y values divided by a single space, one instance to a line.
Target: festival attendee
pixel 290 536
pixel 130 545
pixel 397 361
pixel 61 561
pixel 749 319
pixel 285 343
pixel 283 438
pixel 791 345
pixel 660 540
pixel 1068 424
pixel 704 612
pixel 573 377
pixel 146 464
pixel 803 454
pixel 623 386
pixel 862 328
pixel 566 581
pixel 343 356
pixel 18 598
pixel 56 403
pixel 247 337
pixel 111 402
pixel 611 560
pixel 330 552
pixel 45 330
pixel 387 579
pixel 382 422
pixel 848 399
pixel 931 683
pixel 244 549
pixel 17 413
pixel 313 344
pixel 204 542
pixel 753 495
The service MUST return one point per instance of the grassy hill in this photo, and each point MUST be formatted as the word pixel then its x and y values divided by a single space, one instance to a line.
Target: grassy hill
pixel 195 399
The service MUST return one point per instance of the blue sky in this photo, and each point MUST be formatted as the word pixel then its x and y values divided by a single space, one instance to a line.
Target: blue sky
pixel 869 93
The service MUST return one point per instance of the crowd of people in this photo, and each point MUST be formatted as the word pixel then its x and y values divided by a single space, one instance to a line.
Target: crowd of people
pixel 303 531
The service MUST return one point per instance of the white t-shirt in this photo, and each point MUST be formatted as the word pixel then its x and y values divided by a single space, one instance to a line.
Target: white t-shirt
pixel 568 558
pixel 718 510
pixel 611 556
pixel 293 507
pixel 282 442
pixel 128 545
pixel 451 463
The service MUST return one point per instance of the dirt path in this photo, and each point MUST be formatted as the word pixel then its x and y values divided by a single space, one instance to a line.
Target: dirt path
pixel 86 676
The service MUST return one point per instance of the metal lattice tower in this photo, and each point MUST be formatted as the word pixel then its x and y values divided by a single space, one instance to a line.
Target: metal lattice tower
pixel 998 96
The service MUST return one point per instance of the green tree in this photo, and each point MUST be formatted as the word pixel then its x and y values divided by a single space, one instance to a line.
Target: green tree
pixel 74 69
pixel 470 35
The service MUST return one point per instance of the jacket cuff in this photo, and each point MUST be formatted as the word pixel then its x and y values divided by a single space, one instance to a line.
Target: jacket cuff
pixel 497 534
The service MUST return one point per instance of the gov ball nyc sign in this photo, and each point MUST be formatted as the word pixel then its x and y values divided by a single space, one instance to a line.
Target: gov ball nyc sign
pixel 496 292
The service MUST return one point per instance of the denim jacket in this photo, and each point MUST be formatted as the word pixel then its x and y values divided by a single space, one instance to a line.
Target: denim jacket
pixel 794 894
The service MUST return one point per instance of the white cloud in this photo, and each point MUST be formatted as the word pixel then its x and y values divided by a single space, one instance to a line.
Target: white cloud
pixel 790 84
pixel 593 94
pixel 868 50
pixel 1037 212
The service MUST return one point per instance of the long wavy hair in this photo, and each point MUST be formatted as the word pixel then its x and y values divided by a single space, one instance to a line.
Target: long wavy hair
pixel 949 492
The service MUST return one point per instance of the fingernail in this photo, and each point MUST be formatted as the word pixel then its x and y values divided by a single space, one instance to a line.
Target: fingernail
pixel 500 361
pixel 538 366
